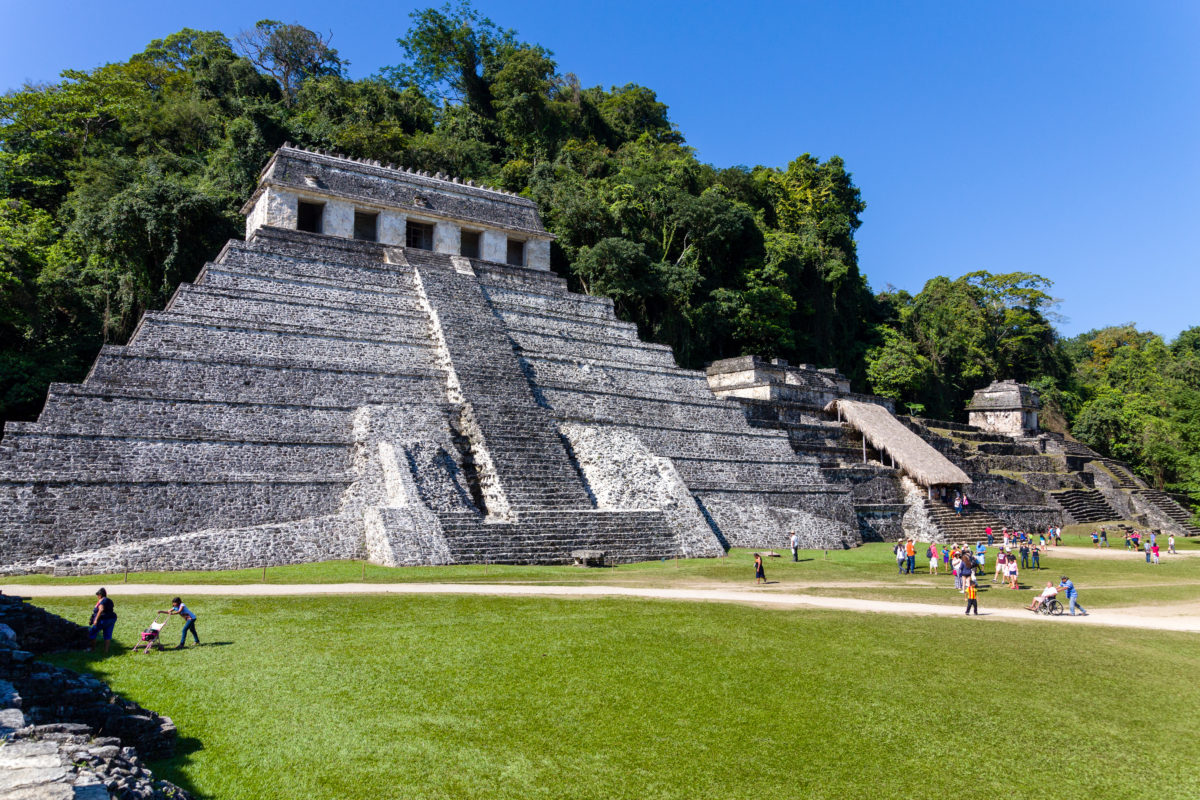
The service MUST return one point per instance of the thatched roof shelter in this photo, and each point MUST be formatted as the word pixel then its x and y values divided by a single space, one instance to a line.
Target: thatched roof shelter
pixel 910 452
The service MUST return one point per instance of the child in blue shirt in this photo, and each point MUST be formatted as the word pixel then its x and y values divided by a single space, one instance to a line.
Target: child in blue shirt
pixel 189 620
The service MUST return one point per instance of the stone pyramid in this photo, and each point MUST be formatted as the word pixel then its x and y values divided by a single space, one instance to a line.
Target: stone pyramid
pixel 386 368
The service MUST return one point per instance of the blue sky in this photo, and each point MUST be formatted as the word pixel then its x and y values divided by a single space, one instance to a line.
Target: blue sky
pixel 1061 138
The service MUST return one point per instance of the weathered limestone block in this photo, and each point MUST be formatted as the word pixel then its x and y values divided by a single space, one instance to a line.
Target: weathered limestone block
pixel 537 254
pixel 623 474
pixel 493 246
pixel 918 524
pixel 274 207
pixel 447 237
pixel 392 225
pixel 338 219
pixel 400 528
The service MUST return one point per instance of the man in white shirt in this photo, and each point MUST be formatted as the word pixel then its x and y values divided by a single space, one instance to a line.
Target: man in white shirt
pixel 795 547
pixel 1047 594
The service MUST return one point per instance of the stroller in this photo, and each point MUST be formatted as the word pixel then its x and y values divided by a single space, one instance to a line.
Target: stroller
pixel 151 636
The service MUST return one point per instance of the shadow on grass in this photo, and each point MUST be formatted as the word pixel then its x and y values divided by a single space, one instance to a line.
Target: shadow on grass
pixel 95 662
pixel 172 769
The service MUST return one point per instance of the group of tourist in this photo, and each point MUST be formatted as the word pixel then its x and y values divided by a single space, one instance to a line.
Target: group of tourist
pixel 1018 551
pixel 1052 535
pixel 104 620
pixel 1137 542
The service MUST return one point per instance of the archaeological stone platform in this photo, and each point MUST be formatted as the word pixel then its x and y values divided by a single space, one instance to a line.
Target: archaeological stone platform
pixel 386 368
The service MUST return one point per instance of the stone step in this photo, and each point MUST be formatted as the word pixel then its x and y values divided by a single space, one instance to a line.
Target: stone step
pixel 70 456
pixel 164 333
pixel 240 379
pixel 280 310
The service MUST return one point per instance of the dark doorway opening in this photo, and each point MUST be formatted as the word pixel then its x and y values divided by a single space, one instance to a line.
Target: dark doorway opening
pixel 308 216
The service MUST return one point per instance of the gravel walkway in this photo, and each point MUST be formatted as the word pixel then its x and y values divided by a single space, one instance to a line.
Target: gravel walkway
pixel 1162 620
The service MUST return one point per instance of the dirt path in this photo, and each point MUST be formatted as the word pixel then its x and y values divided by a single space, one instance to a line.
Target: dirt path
pixel 1116 553
pixel 1164 620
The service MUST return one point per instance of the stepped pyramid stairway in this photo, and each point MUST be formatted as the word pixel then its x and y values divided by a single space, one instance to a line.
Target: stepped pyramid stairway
pixel 303 386
pixel 1085 505
pixel 1168 506
pixel 589 369
pixel 1167 509
pixel 966 528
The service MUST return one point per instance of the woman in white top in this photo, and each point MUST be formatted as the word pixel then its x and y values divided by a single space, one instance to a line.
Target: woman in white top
pixel 956 565
pixel 1012 573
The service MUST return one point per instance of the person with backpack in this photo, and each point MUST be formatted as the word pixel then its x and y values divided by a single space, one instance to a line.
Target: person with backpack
pixel 104 619
pixel 189 620
pixel 932 554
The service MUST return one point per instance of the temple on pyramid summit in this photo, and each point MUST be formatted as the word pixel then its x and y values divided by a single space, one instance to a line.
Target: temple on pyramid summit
pixel 386 368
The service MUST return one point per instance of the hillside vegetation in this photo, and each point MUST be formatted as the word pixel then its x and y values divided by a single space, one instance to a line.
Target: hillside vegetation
pixel 119 182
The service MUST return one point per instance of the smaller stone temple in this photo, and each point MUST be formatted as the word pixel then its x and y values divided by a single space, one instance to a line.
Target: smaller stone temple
pixel 1006 407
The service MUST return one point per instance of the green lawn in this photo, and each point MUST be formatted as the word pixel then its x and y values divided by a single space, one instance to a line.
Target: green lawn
pixel 478 697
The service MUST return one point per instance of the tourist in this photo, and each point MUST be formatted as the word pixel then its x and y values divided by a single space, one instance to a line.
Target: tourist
pixel 1095 539
pixel 104 618
pixel 933 558
pixel 760 575
pixel 1104 537
pixel 1047 594
pixel 958 504
pixel 795 547
pixel 1153 537
pixel 957 564
pixel 1024 554
pixel 972 597
pixel 1001 564
pixel 1004 539
pixel 1042 539
pixel 1171 543
pixel 1013 572
pixel 910 553
pixel 980 555
pixel 966 503
pixel 946 559
pixel 1154 548
pixel 1058 536
pixel 1147 548
pixel 901 558
pixel 990 537
pixel 1127 540
pixel 968 566
pixel 1072 595
pixel 189 621
pixel 1037 558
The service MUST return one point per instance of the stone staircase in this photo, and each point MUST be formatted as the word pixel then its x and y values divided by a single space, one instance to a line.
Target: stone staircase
pixel 961 528
pixel 586 367
pixel 1168 506
pixel 549 537
pixel 1122 474
pixel 1084 505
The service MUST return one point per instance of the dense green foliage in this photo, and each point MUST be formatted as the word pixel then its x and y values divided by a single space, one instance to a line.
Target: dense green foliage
pixel 1136 398
pixel 119 182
